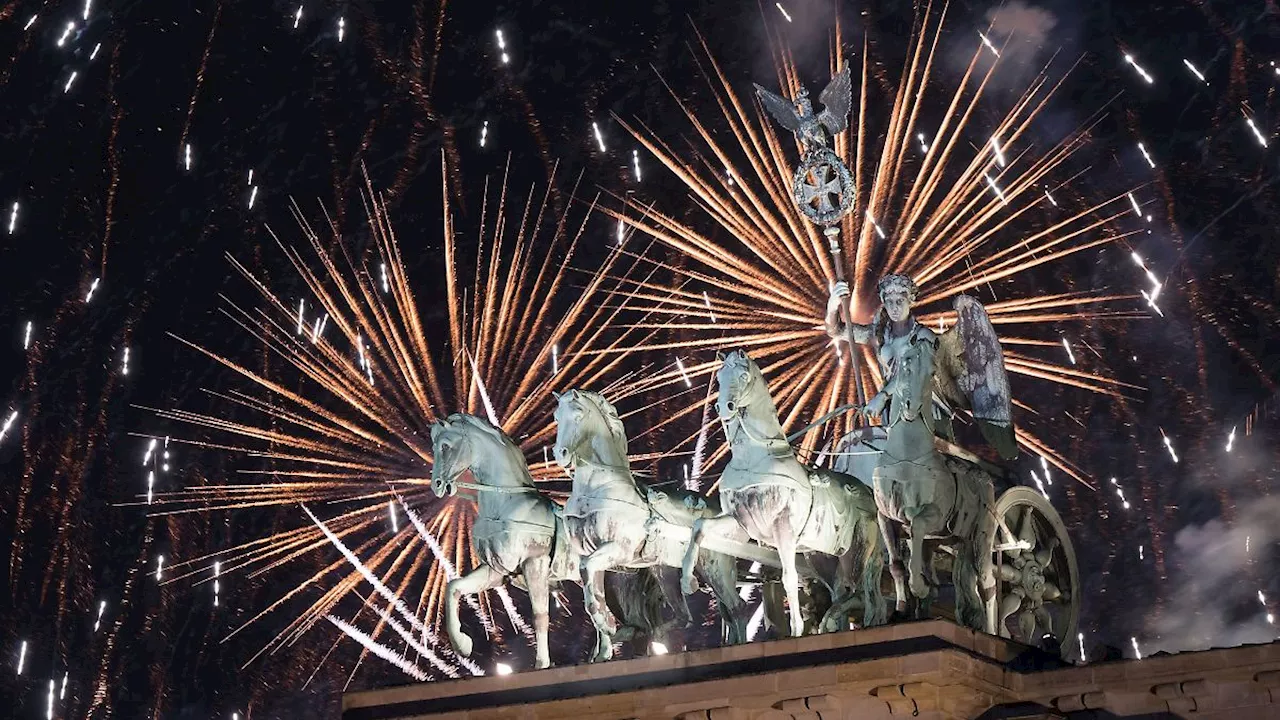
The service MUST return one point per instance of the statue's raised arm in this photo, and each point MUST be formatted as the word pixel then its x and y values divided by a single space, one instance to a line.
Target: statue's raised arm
pixel 969 373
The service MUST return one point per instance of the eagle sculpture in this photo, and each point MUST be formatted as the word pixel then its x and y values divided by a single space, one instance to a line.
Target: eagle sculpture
pixel 815 131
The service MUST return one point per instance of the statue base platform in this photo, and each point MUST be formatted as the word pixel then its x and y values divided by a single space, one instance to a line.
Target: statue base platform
pixel 931 670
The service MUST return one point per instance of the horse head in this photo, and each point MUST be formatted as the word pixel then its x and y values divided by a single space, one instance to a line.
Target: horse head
pixel 464 442
pixel 737 379
pixel 584 419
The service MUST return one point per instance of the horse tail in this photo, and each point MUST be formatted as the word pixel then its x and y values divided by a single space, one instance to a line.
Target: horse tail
pixel 875 610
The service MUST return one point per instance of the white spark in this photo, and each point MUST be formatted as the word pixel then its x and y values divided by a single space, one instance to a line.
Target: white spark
pixel 13 217
pixel 8 423
pixel 62 692
pixel 1047 195
pixel 484 133
pixel 987 42
pixel 1080 639
pixel 622 229
pixel 102 607
pixel 1070 355
pixel 159 567
pixel 1262 598
pixel 502 48
pixel 125 369
pixel 728 174
pixel 1143 149
pixel 1044 465
pixel 360 350
pixel 342 28
pixel 658 648
pixel 87 5
pixel 555 359
pixel 707 301
pixel 386 285
pixel 96 48
pixel 995 145
pixel 599 138
pixel 66 32
pixel 92 288
pixel 1169 444
pixel 30 22
pixel 67 87
pixel 1137 653
pixel 923 145
pixel 995 189
pixel 876 225
pixel 1246 544
pixel 48 713
pixel 1256 132
pixel 300 302
pixel 1140 556
pixel 151 482
pixel 782 10
pixel 1145 76
pixel 380 650
pixel 26 338
pixel 1194 71
pixel 635 163
pixel 395 524
pixel 683 374
pixel 22 657
pixel 1039 485
pixel 1137 209
pixel 187 156
pixel 1152 302
pixel 503 669
pixel 249 182
pixel 297 18
pixel 1120 492
pixel 484 393
pixel 1231 439
pixel 253 196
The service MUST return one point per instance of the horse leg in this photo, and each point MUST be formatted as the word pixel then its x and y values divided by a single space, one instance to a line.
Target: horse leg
pixel 890 535
pixel 720 526
pixel 537 577
pixel 477 581
pixel 785 541
pixel 673 597
pixel 720 571
pixel 921 521
pixel 607 556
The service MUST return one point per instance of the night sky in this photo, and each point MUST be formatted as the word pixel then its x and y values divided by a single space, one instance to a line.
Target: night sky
pixel 94 125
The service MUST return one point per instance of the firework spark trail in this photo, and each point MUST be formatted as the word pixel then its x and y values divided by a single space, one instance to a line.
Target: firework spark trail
pixel 382 651
pixel 450 571
pixel 204 64
pixel 383 590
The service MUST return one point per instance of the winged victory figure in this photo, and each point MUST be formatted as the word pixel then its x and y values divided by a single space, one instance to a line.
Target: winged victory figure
pixel 815 131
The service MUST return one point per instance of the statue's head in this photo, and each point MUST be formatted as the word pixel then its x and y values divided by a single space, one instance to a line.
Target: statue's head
pixel 804 108
pixel 897 292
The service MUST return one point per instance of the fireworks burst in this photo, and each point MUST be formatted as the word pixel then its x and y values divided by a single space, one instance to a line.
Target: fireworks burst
pixel 346 423
pixel 769 271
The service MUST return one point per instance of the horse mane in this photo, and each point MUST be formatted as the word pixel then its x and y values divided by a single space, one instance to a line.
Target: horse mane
pixel 488 428
pixel 610 415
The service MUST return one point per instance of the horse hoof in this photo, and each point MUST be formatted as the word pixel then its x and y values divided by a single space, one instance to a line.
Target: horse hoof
pixel 689 585
pixel 542 663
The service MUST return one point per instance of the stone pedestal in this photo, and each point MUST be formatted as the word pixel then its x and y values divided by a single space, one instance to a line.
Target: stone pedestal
pixel 926 670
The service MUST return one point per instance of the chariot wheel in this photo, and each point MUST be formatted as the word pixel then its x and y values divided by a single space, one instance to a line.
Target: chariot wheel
pixel 1037 583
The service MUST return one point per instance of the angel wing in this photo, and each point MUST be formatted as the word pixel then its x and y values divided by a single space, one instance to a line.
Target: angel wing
pixel 782 109
pixel 837 100
pixel 969 371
